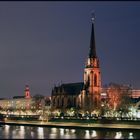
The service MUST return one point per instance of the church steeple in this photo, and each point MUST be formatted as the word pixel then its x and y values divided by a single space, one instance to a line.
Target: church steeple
pixel 27 92
pixel 92 52
pixel 92 74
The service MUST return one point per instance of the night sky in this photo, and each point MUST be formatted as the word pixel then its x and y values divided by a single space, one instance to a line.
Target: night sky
pixel 45 43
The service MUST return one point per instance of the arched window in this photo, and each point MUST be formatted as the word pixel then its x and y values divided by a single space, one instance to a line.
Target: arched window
pixel 54 101
pixel 62 102
pixel 95 80
pixel 58 102
pixel 74 101
pixel 68 102
pixel 95 101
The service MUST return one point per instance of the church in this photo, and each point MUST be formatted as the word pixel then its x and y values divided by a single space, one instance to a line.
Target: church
pixel 82 95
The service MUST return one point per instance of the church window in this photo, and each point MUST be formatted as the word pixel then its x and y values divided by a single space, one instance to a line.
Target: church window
pixel 62 102
pixel 58 102
pixel 95 80
pixel 68 102
pixel 54 101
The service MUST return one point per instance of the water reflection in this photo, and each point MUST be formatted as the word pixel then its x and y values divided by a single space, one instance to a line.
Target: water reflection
pixel 73 130
pixel 18 132
pixel 54 130
pixel 87 134
pixel 40 133
pixel 53 134
pixel 67 136
pixel 67 133
pixel 118 135
pixel 67 130
pixel 32 134
pixel 94 134
pixel 73 133
pixel 22 132
pixel 29 132
pixel 130 136
pixel 7 128
pixel 61 131
pixel 6 131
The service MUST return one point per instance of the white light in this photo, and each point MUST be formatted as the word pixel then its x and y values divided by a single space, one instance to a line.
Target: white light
pixel 118 135
pixel 40 133
pixel 73 130
pixel 130 136
pixel 21 128
pixel 138 115
pixel 53 130
pixel 61 131
pixel 87 135
pixel 7 130
pixel 103 94
pixel 94 134
pixel 22 132
pixel 87 118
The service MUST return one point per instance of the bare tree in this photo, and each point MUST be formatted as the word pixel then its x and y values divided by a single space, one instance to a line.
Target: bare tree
pixel 118 96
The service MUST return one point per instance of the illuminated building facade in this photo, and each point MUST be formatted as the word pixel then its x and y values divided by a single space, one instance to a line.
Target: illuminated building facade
pixel 89 98
pixel 135 93
pixel 25 102
pixel 65 96
pixel 18 102
pixel 87 93
pixel 27 92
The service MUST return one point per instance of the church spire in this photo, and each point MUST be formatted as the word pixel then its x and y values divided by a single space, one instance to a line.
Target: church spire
pixel 92 52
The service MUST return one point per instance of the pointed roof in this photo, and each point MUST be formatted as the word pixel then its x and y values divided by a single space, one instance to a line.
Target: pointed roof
pixel 92 52
pixel 70 88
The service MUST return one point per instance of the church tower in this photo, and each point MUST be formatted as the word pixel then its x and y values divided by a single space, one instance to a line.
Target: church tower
pixel 27 92
pixel 92 74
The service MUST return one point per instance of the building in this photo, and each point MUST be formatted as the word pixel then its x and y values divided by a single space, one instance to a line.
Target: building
pixel 17 102
pixel 135 93
pixel 65 95
pixel 90 98
pixel 23 104
pixel 82 94
pixel 89 94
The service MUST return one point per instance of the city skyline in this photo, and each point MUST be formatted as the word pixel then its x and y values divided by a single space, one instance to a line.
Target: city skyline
pixel 44 43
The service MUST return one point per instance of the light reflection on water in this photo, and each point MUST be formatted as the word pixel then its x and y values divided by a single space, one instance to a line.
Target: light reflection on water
pixel 40 133
pixel 87 134
pixel 18 132
pixel 94 134
pixel 29 132
pixel 130 136
pixel 61 131
pixel 7 127
pixel 118 135
pixel 53 134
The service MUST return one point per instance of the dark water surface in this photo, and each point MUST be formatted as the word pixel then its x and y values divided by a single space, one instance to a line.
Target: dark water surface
pixel 34 132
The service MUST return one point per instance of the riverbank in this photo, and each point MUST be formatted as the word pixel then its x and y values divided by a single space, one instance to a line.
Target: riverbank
pixel 85 125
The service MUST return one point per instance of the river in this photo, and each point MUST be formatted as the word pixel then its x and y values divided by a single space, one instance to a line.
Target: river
pixel 34 132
